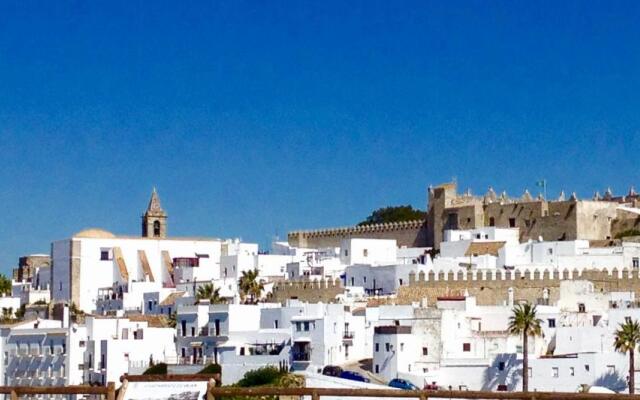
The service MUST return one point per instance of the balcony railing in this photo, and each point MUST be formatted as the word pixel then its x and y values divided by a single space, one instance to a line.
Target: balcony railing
pixel 347 335
pixel 306 356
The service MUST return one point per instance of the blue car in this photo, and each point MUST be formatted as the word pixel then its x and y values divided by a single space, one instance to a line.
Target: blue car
pixel 353 376
pixel 402 384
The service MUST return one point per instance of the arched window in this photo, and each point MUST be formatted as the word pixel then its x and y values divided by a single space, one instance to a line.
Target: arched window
pixel 492 221
pixel 156 228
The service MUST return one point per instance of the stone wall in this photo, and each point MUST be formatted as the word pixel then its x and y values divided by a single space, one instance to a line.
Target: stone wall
pixel 408 233
pixel 492 288
pixel 311 291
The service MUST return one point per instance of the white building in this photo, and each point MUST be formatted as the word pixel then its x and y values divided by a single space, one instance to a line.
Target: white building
pixel 119 345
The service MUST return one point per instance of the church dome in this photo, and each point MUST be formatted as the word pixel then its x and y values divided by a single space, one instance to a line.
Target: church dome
pixel 94 233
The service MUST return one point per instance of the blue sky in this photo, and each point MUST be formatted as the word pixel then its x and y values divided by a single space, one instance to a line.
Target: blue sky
pixel 255 118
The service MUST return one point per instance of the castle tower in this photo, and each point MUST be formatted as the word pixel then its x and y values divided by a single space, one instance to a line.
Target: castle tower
pixel 154 220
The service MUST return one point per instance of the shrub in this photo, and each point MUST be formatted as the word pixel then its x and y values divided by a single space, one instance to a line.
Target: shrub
pixel 158 369
pixel 261 376
pixel 211 369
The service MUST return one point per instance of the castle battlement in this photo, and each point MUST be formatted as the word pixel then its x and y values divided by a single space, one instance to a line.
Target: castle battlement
pixel 351 230
pixel 543 273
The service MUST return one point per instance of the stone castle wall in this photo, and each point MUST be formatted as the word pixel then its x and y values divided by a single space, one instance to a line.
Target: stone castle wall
pixel 492 287
pixel 311 291
pixel 408 233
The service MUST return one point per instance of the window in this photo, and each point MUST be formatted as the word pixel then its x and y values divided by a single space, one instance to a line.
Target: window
pixel 377 369
pixel 452 221
pixel 401 346
pixel 105 254
pixel 346 252
pixel 156 228
pixel 184 352
pixel 466 347
pixel 306 325
pixel 478 236
pixel 572 371
pixel 365 253
pixel 492 221
pixel 275 324
pixel 502 388
pixel 581 308
pixel 551 322
pixel 527 223
pixel 193 331
pixel 400 281
pixel 501 366
pixel 364 279
pixel 387 346
pixel 611 369
pixel 512 222
pixel 353 281
pixel 550 251
pixel 554 372
pixel 586 367
pixel 377 348
pixel 425 351
pixel 217 326
pixel 635 262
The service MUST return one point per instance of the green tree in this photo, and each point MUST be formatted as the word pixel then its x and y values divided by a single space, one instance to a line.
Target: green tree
pixel 208 292
pixel 524 322
pixel 394 214
pixel 5 285
pixel 250 286
pixel 626 341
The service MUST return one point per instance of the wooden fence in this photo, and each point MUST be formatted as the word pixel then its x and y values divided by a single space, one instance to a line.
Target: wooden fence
pixel 108 391
pixel 317 393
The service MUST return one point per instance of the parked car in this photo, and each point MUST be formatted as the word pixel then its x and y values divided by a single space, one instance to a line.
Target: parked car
pixel 332 370
pixel 402 384
pixel 353 376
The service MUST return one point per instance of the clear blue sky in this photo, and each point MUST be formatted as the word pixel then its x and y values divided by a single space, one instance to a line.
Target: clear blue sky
pixel 255 118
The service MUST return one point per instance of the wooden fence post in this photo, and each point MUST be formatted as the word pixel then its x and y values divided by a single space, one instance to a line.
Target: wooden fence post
pixel 123 389
pixel 14 394
pixel 314 395
pixel 210 384
pixel 111 391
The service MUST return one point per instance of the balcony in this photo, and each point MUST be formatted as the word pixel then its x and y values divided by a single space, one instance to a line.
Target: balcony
pixel 347 335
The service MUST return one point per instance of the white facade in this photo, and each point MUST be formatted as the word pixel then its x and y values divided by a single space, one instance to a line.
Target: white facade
pixel 100 260
pixel 368 251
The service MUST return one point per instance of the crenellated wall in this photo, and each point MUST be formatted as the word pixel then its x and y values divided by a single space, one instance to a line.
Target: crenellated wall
pixel 492 287
pixel 311 291
pixel 407 233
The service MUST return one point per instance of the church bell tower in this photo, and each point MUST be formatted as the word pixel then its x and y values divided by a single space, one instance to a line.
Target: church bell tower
pixel 154 220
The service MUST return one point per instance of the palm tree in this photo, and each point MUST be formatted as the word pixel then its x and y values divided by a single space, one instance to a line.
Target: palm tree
pixel 523 322
pixel 250 286
pixel 5 285
pixel 207 292
pixel 625 341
